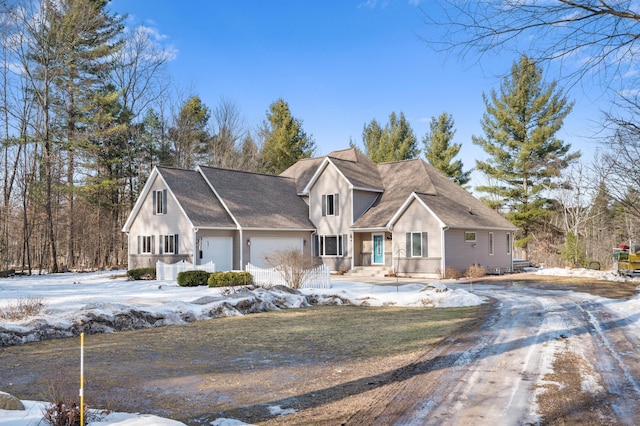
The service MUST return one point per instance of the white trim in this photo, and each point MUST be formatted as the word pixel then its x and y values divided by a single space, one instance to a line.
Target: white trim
pixel 413 196
pixel 483 228
pixel 281 229
pixel 491 237
pixel 224 205
pixel 155 173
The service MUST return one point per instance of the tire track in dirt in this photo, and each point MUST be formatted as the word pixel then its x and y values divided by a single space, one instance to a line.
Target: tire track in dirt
pixel 545 357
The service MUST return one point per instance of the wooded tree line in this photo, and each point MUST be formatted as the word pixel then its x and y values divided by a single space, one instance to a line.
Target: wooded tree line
pixel 87 110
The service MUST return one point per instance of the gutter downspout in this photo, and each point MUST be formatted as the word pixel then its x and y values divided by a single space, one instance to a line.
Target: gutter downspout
pixel 196 253
pixel 241 249
pixel 443 263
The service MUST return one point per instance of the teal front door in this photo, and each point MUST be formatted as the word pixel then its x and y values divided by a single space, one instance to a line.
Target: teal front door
pixel 378 249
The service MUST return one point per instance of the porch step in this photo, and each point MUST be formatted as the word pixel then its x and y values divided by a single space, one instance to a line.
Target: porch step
pixel 368 271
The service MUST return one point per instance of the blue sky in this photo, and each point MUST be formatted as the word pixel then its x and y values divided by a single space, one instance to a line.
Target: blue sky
pixel 338 64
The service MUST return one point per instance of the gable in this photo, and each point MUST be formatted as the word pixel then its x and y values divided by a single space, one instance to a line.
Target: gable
pixel 259 201
pixel 185 193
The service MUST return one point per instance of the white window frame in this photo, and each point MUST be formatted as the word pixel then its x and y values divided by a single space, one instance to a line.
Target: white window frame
pixel 168 244
pixel 508 242
pixel 468 234
pixel 491 245
pixel 322 245
pixel 146 244
pixel 331 204
pixel 159 207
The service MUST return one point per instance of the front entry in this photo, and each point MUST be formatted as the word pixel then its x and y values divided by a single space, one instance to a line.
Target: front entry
pixel 378 249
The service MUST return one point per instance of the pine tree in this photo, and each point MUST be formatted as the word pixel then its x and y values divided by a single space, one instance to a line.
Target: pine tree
pixel 440 151
pixel 189 135
pixel 395 142
pixel 285 142
pixel 525 157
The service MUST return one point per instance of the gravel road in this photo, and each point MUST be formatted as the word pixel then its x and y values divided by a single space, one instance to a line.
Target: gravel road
pixel 544 357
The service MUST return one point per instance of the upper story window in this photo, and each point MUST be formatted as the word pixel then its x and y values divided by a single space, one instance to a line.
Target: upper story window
pixel 508 243
pixel 331 205
pixel 470 237
pixel 160 202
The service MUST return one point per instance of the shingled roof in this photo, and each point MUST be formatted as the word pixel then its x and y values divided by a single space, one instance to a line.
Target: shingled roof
pixel 260 201
pixel 452 204
pixel 196 198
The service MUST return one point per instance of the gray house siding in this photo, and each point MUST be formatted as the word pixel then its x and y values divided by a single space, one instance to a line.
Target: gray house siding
pixel 362 200
pixel 417 219
pixel 330 182
pixel 171 222
pixel 460 253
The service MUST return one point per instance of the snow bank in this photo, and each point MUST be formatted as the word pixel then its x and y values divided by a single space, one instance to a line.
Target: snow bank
pixel 105 302
pixel 585 273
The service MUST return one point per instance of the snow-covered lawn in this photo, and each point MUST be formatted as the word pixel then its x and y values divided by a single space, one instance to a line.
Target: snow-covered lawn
pixel 106 302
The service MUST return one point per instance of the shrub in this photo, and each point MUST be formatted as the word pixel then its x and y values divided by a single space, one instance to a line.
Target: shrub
pixel 142 274
pixel 64 408
pixel 192 278
pixel 475 271
pixel 452 273
pixel 294 266
pixel 22 308
pixel 229 279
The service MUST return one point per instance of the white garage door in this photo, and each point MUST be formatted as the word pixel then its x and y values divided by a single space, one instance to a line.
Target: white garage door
pixel 218 250
pixel 262 246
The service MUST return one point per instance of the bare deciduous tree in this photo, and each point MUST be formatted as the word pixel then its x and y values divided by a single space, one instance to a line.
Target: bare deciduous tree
pixel 603 34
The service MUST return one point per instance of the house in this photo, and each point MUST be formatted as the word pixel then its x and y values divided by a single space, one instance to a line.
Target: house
pixel 352 213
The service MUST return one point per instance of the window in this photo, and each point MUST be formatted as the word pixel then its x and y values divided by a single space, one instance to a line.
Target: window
pixel 145 244
pixel 330 205
pixel 508 243
pixel 169 244
pixel 160 202
pixel 417 244
pixel 331 245
pixel 491 243
pixel 470 237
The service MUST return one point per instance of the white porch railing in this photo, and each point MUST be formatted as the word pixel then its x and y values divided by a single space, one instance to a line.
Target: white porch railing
pixel 169 271
pixel 318 277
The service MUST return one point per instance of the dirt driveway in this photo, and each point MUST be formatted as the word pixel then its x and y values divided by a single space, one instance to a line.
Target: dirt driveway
pixel 538 354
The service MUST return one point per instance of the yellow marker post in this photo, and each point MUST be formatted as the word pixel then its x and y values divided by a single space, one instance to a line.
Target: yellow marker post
pixel 81 379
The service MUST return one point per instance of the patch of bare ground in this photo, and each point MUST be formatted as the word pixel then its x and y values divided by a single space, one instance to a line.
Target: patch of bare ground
pixel 565 398
pixel 325 363
pixel 609 289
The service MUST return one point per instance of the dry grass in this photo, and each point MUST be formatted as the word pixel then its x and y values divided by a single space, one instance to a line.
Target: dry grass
pixel 240 363
pixel 22 308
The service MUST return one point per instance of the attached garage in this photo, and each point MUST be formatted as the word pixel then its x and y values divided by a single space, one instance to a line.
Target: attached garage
pixel 263 246
pixel 218 250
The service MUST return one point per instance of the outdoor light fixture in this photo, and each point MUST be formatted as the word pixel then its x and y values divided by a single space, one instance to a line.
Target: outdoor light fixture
pixel 248 242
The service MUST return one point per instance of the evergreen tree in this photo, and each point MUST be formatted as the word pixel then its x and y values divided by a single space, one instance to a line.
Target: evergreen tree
pixel 439 151
pixel 285 142
pixel 189 135
pixel 525 157
pixel 395 142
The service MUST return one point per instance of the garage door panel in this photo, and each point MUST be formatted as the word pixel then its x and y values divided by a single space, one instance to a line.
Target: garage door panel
pixel 218 250
pixel 262 247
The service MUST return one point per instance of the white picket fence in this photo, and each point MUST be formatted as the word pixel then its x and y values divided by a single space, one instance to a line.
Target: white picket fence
pixel 170 271
pixel 318 277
